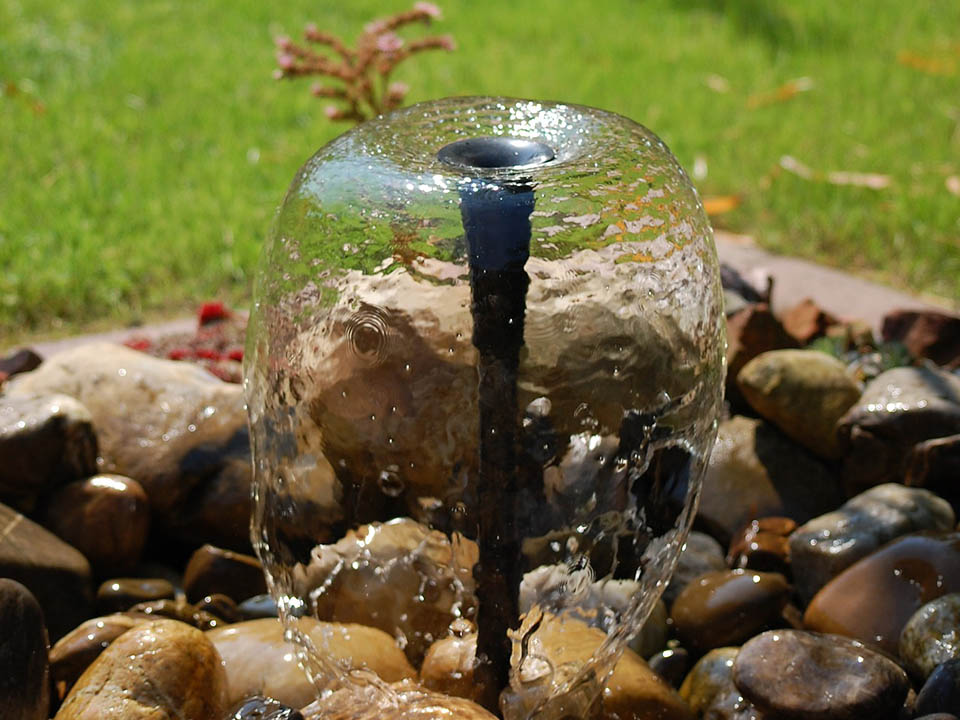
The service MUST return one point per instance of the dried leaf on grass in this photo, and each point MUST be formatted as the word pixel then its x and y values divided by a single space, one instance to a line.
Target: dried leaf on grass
pixel 787 91
pixel 719 204
pixel 874 181
pixel 944 65
pixel 953 184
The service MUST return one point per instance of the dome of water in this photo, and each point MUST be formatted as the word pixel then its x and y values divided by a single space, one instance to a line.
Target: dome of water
pixel 484 368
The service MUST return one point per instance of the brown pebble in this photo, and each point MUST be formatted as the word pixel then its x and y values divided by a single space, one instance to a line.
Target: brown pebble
pixel 24 672
pixel 726 607
pixel 76 650
pixel 763 545
pixel 119 594
pixel 213 570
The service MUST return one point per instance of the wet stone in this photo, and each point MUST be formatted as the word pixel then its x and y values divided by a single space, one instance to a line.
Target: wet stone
pixel 106 517
pixel 259 707
pixel 258 659
pixel 258 606
pixel 709 691
pixel 830 677
pixel 802 392
pixel 162 668
pixel 726 607
pixel 823 547
pixel 77 650
pixel 927 334
pixel 56 573
pixel 701 554
pixel 941 692
pixel 414 704
pixel 931 636
pixel 762 545
pixel 215 570
pixel 935 465
pixel 120 594
pixel 177 609
pixel 222 607
pixel 755 471
pixel 898 409
pixel 24 672
pixel 671 664
pixel 873 599
pixel 449 663
pixel 46 440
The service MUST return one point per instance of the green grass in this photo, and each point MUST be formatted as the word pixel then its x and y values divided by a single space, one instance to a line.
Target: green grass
pixel 148 178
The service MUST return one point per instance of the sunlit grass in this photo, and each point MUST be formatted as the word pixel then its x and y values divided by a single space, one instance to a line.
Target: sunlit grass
pixel 145 145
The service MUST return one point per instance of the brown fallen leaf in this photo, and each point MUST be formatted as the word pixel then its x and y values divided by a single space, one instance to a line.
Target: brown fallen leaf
pixel 787 91
pixel 719 204
pixel 874 181
pixel 926 64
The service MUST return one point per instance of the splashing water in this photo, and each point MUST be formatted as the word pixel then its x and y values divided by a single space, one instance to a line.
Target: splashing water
pixel 371 380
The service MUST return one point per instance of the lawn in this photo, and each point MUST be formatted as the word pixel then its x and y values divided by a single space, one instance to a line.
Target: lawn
pixel 145 145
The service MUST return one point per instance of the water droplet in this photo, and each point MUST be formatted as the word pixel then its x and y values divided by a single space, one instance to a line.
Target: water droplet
pixel 390 483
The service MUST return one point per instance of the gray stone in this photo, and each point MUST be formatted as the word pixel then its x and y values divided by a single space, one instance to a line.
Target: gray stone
pixel 756 471
pixel 172 426
pixel 802 392
pixel 897 410
pixel 941 691
pixel 46 440
pixel 931 636
pixel 701 554
pixel 829 677
pixel 24 672
pixel 56 573
pixel 709 690
pixel 826 545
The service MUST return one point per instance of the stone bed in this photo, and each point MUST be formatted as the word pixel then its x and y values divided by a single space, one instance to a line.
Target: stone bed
pixel 822 579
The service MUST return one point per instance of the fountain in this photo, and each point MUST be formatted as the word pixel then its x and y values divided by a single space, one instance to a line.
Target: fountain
pixel 483 373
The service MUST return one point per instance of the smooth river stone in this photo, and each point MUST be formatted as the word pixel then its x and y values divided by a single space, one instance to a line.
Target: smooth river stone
pixel 874 598
pixel 412 703
pixel 931 636
pixel 449 663
pixel 756 471
pixel 121 594
pixel 106 517
pixel 750 332
pixel 762 545
pixel 898 409
pixel 258 659
pixel 633 691
pixel 941 691
pixel 212 570
pixel 56 573
pixel 259 707
pixel 172 426
pixel 701 554
pixel 46 440
pixel 710 693
pixel 823 547
pixel 797 675
pixel 24 672
pixel 935 465
pixel 802 392
pixel 160 670
pixel 77 650
pixel 726 607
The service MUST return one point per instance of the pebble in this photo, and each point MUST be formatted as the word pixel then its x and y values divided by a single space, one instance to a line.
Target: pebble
pixel 671 664
pixel 823 547
pixel 174 427
pixel 750 332
pixel 756 471
pixel 728 606
pixel 701 554
pixel 941 691
pixel 258 606
pixel 158 669
pixel 798 675
pixel 106 517
pixel 24 671
pixel 46 440
pixel 257 658
pixel 413 703
pixel 802 392
pixel 120 594
pixel 709 691
pixel 448 665
pixel 762 545
pixel 927 334
pixel 931 636
pixel 400 577
pixel 75 651
pixel 873 599
pixel 633 691
pixel 898 409
pixel 935 465
pixel 57 574
pixel 806 321
pixel 216 570
pixel 178 609
pixel 20 361
pixel 259 707
pixel 220 606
